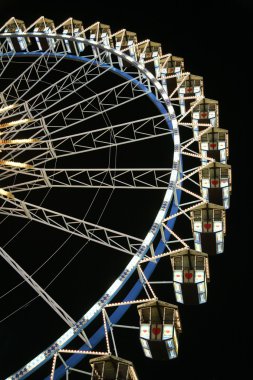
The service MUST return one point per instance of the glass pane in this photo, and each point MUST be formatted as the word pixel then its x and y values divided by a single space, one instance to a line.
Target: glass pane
pixel 198 226
pixel 98 370
pixel 201 287
pixel 202 298
pixel 179 298
pixel 220 248
pixel 144 344
pixel 197 237
pixel 199 276
pixel 177 262
pixel 145 315
pixel 217 214
pixel 170 344
pixel 145 331
pixel 217 226
pixel 205 182
pixel 219 237
pixel 177 287
pixel 198 247
pixel 147 353
pixel 167 331
pixel 122 371
pixel 172 354
pixel 178 276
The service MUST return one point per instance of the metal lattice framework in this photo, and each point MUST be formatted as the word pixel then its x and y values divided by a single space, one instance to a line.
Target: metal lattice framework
pixel 54 127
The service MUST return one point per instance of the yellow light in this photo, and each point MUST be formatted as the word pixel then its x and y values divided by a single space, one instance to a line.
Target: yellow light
pixel 14 123
pixel 7 108
pixel 16 164
pixel 6 193
pixel 19 141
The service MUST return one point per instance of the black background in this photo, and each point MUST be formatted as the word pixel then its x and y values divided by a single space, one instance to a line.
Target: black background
pixel 215 39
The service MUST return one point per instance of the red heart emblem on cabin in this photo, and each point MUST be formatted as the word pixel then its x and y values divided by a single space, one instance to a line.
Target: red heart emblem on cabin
pixel 213 146
pixel 188 276
pixel 214 182
pixel 207 226
pixel 156 330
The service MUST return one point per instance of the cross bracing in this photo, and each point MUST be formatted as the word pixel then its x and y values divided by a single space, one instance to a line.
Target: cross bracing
pixel 92 140
pixel 113 176
pixel 79 227
pixel 92 178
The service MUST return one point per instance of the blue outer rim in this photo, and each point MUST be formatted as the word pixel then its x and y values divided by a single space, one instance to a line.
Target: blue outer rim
pixel 136 289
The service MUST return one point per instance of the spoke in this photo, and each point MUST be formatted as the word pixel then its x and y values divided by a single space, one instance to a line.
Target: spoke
pixel 5 59
pixel 93 178
pixel 49 98
pixel 68 84
pixel 71 82
pixel 90 231
pixel 33 74
pixel 83 110
pixel 41 292
pixel 125 133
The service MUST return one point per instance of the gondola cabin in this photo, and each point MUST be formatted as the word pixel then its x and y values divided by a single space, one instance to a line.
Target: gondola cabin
pixel 159 328
pixel 19 43
pixel 171 67
pixel 215 183
pixel 214 144
pixel 190 88
pixel 125 40
pixel 111 367
pixel 209 228
pixel 190 276
pixel 44 26
pixel 205 112
pixel 149 54
pixel 100 32
pixel 73 28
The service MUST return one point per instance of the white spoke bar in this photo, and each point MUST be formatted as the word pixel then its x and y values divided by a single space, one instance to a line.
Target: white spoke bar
pixel 93 178
pixel 83 110
pixel 96 139
pixel 32 75
pixel 64 87
pixel 90 231
pixel 41 292
pixel 5 59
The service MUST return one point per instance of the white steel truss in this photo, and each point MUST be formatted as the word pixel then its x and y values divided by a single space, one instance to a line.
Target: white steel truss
pixel 92 178
pixel 49 147
pixel 74 116
pixel 42 293
pixel 102 235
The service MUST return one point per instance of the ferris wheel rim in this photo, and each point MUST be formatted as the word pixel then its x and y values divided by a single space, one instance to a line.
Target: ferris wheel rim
pixel 173 126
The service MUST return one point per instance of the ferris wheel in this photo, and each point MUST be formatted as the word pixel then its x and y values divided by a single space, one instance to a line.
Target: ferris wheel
pixel 90 122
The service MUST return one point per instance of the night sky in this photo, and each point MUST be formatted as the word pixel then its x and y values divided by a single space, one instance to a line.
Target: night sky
pixel 215 40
